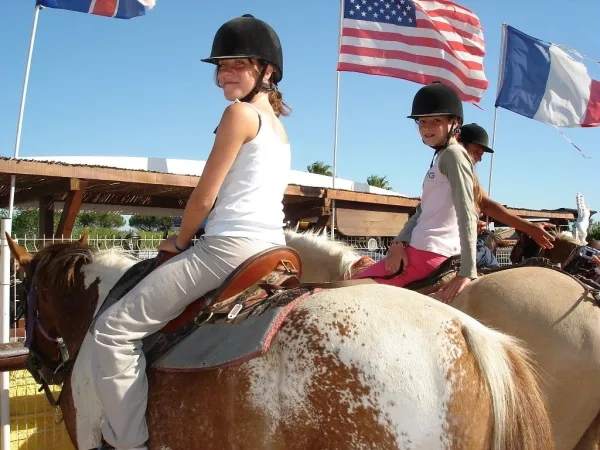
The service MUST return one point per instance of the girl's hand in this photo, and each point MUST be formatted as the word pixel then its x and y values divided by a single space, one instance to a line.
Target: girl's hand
pixel 447 293
pixel 168 245
pixel 596 260
pixel 396 255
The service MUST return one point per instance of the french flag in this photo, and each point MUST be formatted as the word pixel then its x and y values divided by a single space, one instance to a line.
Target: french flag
pixel 541 81
pixel 119 9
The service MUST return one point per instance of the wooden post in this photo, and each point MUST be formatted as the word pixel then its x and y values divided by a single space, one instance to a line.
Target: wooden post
pixel 71 209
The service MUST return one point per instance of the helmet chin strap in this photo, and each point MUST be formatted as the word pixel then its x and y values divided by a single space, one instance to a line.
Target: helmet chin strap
pixel 256 89
pixel 439 148
pixel 260 84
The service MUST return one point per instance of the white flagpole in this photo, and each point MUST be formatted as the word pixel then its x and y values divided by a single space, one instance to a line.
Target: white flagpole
pixel 5 224
pixel 11 197
pixel 335 127
pixel 5 261
pixel 498 84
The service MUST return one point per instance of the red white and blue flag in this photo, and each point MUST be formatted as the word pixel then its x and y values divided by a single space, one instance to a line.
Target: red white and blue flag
pixel 120 9
pixel 542 81
pixel 416 40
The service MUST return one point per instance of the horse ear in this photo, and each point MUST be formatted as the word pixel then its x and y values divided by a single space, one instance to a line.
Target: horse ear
pixel 84 237
pixel 22 256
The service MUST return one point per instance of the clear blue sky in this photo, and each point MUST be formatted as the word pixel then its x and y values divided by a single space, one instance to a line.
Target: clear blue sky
pixel 103 86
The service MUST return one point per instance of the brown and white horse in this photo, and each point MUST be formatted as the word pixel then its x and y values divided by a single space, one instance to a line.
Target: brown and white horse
pixel 364 366
pixel 551 313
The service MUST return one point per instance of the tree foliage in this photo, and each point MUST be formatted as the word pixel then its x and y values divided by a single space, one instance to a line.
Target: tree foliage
pixel 150 223
pixel 320 167
pixel 93 219
pixel 379 181
pixel 594 232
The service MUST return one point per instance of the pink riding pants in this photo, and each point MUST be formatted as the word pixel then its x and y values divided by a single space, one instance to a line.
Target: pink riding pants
pixel 420 264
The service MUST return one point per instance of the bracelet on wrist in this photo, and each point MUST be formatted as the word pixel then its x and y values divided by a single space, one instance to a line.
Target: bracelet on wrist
pixel 179 249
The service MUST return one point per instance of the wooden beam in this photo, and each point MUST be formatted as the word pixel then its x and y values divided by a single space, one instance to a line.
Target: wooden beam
pixel 303 191
pixel 60 170
pixel 52 187
pixel 364 197
pixel 46 224
pixel 70 211
pixel 374 207
pixel 541 214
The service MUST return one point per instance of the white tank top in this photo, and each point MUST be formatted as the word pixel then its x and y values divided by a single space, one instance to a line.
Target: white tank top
pixel 437 228
pixel 250 201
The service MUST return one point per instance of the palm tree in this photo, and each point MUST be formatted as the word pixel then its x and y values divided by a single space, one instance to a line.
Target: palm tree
pixel 378 181
pixel 321 168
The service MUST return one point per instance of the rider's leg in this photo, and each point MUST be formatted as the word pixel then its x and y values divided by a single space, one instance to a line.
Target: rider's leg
pixel 119 366
pixel 484 256
pixel 420 264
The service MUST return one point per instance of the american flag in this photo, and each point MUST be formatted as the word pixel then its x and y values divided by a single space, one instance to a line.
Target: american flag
pixel 416 40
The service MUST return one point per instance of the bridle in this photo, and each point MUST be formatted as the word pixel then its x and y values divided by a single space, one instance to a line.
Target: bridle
pixel 45 371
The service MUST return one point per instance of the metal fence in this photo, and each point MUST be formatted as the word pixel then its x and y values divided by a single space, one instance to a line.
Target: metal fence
pixel 32 421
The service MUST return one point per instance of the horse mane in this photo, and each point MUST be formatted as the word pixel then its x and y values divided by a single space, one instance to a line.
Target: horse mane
pixel 568 239
pixel 315 241
pixel 61 260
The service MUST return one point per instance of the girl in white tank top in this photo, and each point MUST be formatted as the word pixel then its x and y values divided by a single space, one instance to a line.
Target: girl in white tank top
pixel 244 178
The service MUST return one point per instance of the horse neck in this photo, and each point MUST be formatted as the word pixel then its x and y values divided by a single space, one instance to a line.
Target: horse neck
pixel 108 266
pixel 561 251
pixel 76 310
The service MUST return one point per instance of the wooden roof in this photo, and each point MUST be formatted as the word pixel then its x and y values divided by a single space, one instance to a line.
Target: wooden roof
pixel 127 187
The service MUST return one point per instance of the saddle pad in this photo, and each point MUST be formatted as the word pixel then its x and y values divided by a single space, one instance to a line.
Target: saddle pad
pixel 221 342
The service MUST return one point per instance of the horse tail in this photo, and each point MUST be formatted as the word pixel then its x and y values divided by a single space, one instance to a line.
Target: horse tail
pixel 520 414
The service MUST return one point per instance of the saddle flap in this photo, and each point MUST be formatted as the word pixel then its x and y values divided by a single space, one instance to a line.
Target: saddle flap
pixel 254 270
pixel 448 267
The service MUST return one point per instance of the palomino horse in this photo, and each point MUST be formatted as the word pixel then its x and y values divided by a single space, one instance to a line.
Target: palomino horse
pixel 364 366
pixel 552 313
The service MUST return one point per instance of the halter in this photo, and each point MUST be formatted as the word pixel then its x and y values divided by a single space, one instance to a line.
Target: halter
pixel 44 371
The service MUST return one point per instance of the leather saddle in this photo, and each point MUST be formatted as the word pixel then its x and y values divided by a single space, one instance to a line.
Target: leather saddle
pixel 278 266
pixel 440 276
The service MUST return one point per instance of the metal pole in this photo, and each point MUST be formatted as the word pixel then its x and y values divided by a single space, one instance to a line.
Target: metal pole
pixel 11 195
pixel 494 147
pixel 335 126
pixel 5 227
pixel 498 84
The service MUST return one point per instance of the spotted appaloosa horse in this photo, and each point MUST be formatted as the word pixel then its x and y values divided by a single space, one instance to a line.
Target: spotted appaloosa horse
pixel 551 313
pixel 361 367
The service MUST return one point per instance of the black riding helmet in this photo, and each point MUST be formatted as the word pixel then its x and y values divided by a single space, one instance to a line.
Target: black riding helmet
pixel 436 99
pixel 249 38
pixel 474 134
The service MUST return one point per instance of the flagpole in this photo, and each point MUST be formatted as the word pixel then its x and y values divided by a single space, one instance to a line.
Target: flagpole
pixel 335 126
pixel 11 196
pixel 5 261
pixel 498 84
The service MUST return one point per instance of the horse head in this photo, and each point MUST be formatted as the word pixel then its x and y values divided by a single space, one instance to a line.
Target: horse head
pixel 526 248
pixel 54 306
